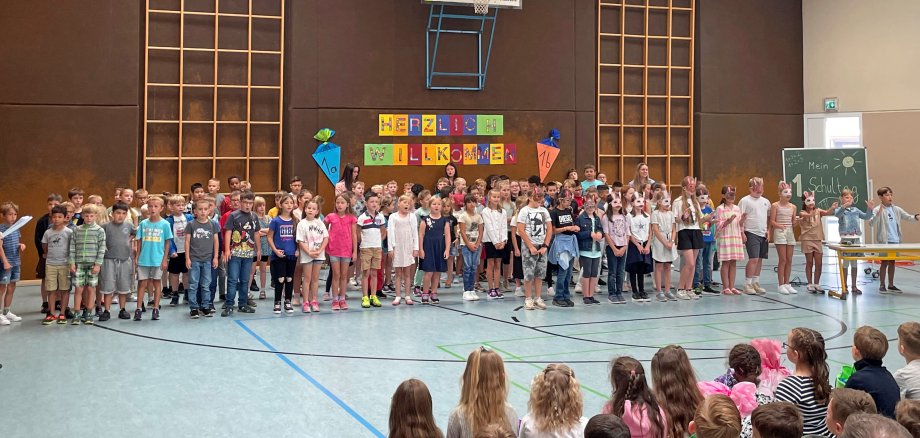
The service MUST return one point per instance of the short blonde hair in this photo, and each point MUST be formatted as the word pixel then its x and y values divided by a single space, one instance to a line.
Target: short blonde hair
pixel 7 207
pixel 176 199
pixel 91 209
pixel 258 202
pixel 717 417
pixel 155 198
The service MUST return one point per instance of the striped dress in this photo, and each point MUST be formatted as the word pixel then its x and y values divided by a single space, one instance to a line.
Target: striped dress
pixel 731 247
pixel 800 391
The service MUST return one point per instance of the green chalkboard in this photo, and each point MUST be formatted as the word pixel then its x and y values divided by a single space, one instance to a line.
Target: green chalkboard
pixel 826 172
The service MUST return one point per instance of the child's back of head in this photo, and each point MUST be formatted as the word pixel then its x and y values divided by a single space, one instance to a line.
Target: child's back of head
pixel 845 402
pixel 630 385
pixel 908 415
pixel 717 417
pixel 909 340
pixel 777 420
pixel 871 343
pixel 411 413
pixel 606 426
pixel 873 426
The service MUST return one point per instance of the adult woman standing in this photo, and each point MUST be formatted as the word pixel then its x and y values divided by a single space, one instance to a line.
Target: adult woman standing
pixel 348 179
pixel 641 176
pixel 451 173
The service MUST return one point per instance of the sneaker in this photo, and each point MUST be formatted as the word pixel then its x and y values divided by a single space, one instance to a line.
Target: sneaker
pixel 365 302
pixel 247 309
pixel 326 296
pixel 670 296
pixel 660 297
pixel 578 288
pixel 882 290
pixel 62 319
pixel 538 302
pixel 343 305
pixel 391 288
pixel 123 314
pixel 354 283
pixel 207 313
pixel 791 289
pixel 105 316
pixel 49 319
pixel 518 292
pixel 760 290
pixel 434 299
pixel 424 298
pixel 586 300
pixel 380 294
pixel 466 296
pixel 155 315
pixel 174 301
pixel 90 319
pixel 493 295
pixel 594 301
pixel 375 302
pixel 306 307
pixel 569 303
pixel 893 288
pixel 499 294
pixel 682 295
pixel 288 308
pixel 782 289
pixel 620 299
pixel 528 304
pixel 694 295
pixel 749 289
pixel 251 303
pixel 612 299
pixel 560 303
pixel 137 315
pixel 601 281
pixel 150 301
pixel 12 317
pixel 645 297
pixel 335 305
pixel 193 314
pixel 276 309
pixel 707 290
pixel 417 291
pixel 132 298
pixel 262 295
pixel 253 286
pixel 637 297
pixel 226 311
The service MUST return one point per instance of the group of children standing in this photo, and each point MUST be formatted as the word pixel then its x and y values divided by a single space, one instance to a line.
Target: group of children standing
pixel 520 232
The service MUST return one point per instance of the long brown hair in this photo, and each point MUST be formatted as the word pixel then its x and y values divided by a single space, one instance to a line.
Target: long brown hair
pixel 676 388
pixel 410 412
pixel 483 390
pixel 627 376
pixel 555 401
pixel 809 344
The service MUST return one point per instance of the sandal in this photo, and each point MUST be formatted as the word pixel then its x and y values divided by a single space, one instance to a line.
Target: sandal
pixel 727 291
pixel 262 295
pixel 736 291
pixel 397 301
pixel 409 301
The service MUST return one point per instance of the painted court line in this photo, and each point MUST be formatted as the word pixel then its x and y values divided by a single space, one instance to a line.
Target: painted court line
pixel 313 381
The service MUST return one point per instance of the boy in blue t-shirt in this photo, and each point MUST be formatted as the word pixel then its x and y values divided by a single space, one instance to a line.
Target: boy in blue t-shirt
pixel 10 252
pixel 153 236
pixel 702 277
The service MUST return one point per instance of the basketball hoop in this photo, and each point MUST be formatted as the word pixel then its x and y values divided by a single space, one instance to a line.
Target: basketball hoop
pixel 481 7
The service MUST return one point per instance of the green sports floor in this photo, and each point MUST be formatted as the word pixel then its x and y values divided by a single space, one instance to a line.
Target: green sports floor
pixel 332 374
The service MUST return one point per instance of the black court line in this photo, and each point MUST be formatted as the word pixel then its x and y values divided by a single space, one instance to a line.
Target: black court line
pixel 652 318
pixel 843 325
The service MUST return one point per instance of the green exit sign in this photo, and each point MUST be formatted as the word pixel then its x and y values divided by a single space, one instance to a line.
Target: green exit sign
pixel 830 104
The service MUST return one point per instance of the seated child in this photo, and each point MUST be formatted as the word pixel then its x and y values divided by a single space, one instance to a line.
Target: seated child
pixel 869 347
pixel 606 426
pixel 874 426
pixel 845 402
pixel 717 417
pixel 908 415
pixel 555 405
pixel 908 378
pixel 777 420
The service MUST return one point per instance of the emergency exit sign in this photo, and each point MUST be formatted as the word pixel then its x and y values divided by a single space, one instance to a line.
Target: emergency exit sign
pixel 830 104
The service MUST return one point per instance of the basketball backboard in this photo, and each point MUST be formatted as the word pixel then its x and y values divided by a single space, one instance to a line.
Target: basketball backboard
pixel 506 4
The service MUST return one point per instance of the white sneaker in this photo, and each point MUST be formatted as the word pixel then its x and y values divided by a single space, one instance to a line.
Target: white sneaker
pixel 132 298
pixel 518 292
pixel 466 296
pixel 474 296
pixel 791 289
pixel 4 321
pixel 539 303
pixel 682 295
pixel 12 317
pixel 782 289
pixel 528 304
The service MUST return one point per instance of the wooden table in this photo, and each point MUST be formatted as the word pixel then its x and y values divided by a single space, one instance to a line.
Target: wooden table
pixel 873 251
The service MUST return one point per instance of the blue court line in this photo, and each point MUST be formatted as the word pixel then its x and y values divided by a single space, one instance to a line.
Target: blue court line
pixel 313 381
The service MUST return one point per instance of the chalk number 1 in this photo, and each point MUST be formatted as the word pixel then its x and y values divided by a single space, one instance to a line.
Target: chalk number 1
pixel 798 184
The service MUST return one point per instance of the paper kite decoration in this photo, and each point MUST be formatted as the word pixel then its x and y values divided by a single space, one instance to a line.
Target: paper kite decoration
pixel 547 151
pixel 328 155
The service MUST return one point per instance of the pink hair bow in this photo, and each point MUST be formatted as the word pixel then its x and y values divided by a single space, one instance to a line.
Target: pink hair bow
pixel 744 394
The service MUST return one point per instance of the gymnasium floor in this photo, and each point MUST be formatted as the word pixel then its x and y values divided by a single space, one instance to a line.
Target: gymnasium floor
pixel 332 374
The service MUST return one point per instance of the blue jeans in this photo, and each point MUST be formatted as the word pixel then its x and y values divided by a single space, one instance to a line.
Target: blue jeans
pixel 563 277
pixel 238 268
pixel 199 281
pixel 704 265
pixel 616 272
pixel 470 263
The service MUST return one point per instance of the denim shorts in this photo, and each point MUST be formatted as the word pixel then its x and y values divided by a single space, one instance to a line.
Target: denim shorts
pixel 334 259
pixel 11 275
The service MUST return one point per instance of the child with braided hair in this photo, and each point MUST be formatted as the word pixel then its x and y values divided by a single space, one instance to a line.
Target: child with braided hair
pixel 808 388
pixel 634 401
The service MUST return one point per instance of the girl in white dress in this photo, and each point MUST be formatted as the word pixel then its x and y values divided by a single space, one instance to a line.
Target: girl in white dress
pixel 664 251
pixel 402 232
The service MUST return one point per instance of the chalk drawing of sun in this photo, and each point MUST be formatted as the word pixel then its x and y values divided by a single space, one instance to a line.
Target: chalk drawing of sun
pixel 846 162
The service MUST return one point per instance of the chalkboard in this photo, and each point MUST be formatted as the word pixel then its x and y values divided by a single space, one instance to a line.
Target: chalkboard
pixel 826 172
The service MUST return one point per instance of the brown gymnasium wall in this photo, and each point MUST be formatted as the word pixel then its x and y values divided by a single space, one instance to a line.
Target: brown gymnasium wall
pixel 748 89
pixel 352 60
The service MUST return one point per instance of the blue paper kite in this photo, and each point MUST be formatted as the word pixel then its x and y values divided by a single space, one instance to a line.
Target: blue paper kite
pixel 328 155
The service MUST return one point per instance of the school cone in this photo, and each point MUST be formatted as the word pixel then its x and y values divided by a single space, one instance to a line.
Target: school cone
pixel 546 156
